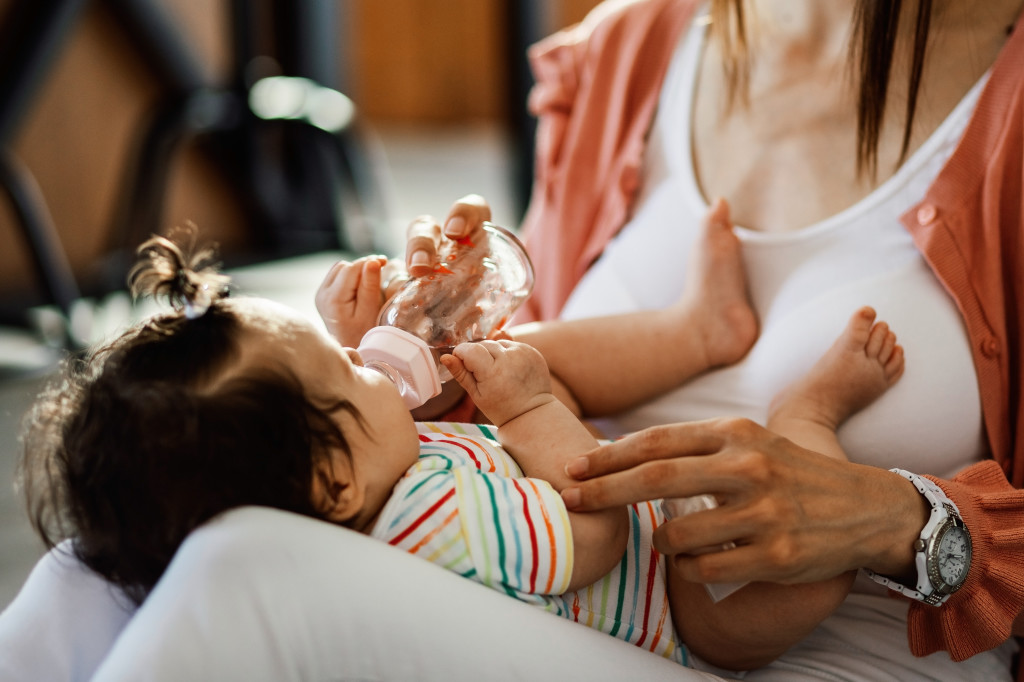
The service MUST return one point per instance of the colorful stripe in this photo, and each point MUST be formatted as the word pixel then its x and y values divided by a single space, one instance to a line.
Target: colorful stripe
pixel 552 550
pixel 499 535
pixel 466 506
pixel 434 533
pixel 651 569
pixel 421 518
pixel 532 531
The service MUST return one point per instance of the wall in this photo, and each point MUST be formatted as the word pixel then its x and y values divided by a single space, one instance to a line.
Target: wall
pixel 438 60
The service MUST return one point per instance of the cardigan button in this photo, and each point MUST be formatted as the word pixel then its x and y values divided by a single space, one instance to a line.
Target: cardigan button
pixel 926 214
pixel 989 347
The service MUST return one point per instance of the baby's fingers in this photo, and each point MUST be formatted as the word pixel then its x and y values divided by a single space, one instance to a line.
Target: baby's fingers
pixel 475 355
pixel 332 273
pixel 337 288
pixel 344 276
pixel 368 293
pixel 460 373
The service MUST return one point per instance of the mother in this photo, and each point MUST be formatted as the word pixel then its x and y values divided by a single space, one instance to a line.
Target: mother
pixel 874 162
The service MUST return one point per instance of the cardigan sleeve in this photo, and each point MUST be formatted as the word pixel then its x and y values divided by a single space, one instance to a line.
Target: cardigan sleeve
pixel 980 616
pixel 555 67
pixel 597 87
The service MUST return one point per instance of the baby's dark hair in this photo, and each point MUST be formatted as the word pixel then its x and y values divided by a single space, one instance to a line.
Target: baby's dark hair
pixel 143 440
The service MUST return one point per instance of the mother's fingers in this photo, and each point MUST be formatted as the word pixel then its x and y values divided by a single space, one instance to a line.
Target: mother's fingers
pixel 739 564
pixel 423 236
pixel 675 460
pixel 466 216
pixel 655 443
pixel 709 530
pixel 464 220
pixel 647 481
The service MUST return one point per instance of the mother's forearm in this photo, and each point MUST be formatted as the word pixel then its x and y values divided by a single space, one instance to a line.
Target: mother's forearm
pixel 899 514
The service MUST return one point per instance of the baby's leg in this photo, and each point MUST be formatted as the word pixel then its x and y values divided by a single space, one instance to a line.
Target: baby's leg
pixel 715 303
pixel 859 367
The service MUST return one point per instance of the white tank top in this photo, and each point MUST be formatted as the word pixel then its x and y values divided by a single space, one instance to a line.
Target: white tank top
pixel 805 285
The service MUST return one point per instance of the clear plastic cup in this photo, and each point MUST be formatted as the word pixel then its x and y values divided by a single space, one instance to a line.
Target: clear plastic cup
pixel 475 288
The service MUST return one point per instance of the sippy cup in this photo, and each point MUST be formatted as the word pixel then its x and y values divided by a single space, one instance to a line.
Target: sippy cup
pixel 405 360
pixel 473 291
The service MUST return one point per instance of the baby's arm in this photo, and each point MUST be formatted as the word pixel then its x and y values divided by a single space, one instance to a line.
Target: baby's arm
pixel 509 382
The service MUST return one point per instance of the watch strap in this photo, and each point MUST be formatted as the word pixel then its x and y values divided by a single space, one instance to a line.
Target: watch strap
pixel 941 508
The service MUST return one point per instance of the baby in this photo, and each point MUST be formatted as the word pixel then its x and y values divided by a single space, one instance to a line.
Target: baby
pixel 229 402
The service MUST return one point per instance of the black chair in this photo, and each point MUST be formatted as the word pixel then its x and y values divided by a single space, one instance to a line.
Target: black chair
pixel 279 130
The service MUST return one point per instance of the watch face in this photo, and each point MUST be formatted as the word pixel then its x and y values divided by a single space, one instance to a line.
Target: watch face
pixel 954 555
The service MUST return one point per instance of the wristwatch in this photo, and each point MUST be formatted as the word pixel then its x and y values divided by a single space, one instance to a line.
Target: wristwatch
pixel 943 548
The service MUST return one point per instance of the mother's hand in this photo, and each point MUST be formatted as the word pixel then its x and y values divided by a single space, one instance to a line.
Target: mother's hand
pixel 464 220
pixel 795 515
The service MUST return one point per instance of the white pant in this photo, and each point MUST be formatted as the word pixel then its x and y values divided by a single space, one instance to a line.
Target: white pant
pixel 260 594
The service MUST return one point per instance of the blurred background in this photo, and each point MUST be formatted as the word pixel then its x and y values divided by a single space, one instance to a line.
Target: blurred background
pixel 291 132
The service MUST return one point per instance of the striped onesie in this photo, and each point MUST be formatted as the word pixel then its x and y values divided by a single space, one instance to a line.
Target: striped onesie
pixel 467 506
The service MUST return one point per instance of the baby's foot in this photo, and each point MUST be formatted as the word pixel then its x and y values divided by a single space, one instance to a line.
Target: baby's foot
pixel 859 367
pixel 716 291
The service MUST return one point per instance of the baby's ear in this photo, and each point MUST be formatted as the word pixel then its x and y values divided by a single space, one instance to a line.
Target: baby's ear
pixel 335 493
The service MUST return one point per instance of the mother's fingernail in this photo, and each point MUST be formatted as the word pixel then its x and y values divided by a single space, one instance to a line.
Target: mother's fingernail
pixel 455 227
pixel 418 259
pixel 577 468
pixel 571 497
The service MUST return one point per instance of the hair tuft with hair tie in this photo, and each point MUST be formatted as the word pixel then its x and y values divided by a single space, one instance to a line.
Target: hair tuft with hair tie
pixel 176 269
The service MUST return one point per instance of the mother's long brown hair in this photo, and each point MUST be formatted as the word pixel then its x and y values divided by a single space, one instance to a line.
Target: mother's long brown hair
pixel 872 48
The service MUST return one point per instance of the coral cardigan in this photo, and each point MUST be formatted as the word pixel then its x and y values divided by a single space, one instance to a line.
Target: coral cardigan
pixel 597 89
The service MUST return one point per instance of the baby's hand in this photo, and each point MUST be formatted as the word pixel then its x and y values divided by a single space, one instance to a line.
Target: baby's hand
pixel 350 298
pixel 505 378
